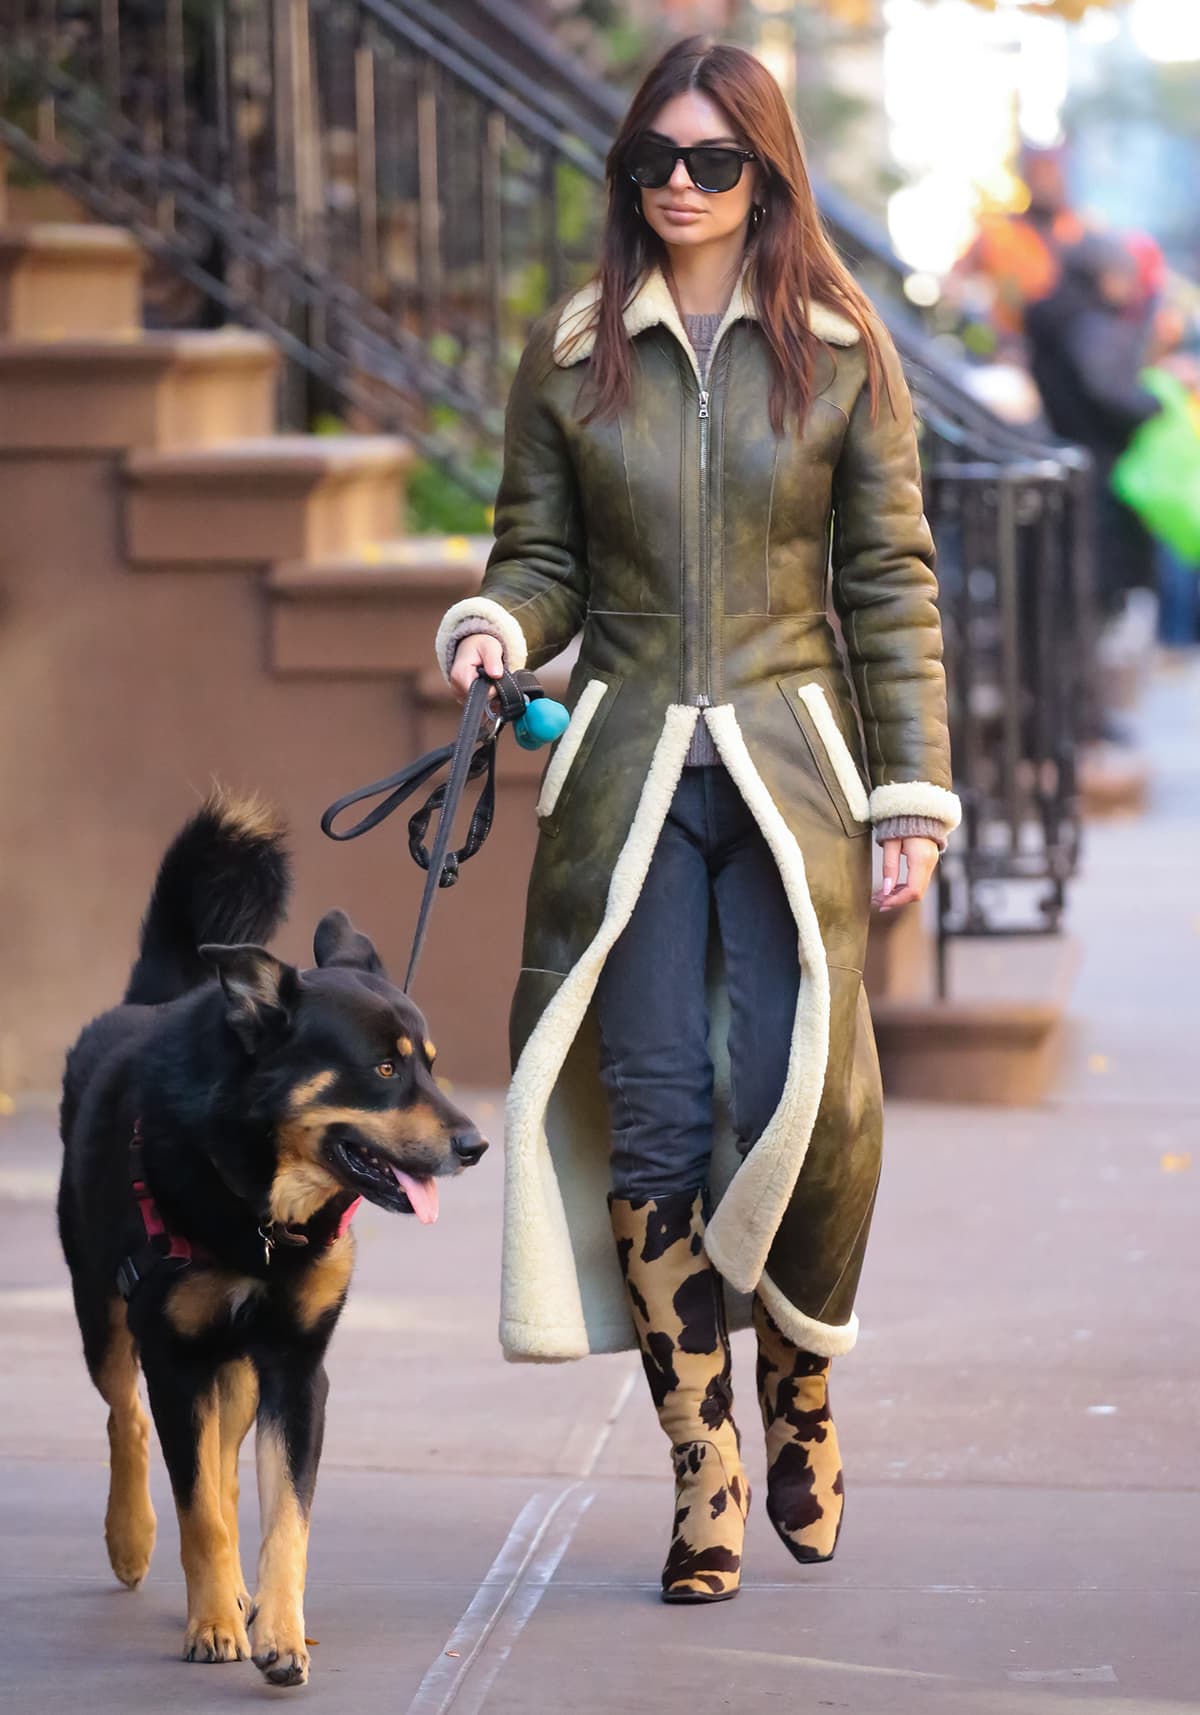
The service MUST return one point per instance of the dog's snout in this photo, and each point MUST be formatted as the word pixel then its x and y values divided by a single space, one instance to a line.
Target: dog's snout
pixel 468 1146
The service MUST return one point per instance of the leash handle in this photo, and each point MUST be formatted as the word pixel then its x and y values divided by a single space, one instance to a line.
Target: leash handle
pixel 448 796
pixel 472 753
pixel 511 688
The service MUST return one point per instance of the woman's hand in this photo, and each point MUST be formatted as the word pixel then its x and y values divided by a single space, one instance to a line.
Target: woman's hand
pixel 920 861
pixel 477 649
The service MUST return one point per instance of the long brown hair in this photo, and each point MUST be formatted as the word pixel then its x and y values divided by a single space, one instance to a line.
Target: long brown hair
pixel 792 263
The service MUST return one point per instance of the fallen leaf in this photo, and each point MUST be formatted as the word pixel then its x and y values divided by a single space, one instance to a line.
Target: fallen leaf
pixel 313 1641
pixel 1175 1163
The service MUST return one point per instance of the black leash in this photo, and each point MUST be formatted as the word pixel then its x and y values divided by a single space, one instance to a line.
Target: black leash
pixel 469 756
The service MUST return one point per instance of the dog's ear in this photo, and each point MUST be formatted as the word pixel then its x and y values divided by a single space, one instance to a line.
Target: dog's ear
pixel 261 992
pixel 338 942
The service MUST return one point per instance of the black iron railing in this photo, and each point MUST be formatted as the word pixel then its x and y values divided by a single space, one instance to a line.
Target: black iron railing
pixel 351 177
pixel 372 185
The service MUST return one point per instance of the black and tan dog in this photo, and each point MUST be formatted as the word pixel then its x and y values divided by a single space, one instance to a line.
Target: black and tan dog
pixel 219 1128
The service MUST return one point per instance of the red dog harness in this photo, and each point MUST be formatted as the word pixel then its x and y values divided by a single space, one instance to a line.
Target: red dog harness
pixel 164 1246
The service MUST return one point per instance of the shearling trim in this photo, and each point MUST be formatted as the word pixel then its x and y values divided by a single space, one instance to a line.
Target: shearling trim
pixel 917 798
pixel 567 748
pixel 825 1339
pixel 538 1271
pixel 652 305
pixel 746 1219
pixel 500 622
pixel 836 749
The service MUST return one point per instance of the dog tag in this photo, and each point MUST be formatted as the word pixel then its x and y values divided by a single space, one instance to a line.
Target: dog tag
pixel 268 1246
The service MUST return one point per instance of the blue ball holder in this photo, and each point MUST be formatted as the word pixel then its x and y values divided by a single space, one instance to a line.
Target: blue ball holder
pixel 544 720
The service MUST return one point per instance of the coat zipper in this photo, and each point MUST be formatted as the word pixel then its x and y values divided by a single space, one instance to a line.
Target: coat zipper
pixel 703 698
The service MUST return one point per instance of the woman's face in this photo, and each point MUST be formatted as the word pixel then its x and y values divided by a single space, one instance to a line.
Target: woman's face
pixel 679 213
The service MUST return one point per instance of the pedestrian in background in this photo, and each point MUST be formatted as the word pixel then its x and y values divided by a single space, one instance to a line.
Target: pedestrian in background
pixel 1088 344
pixel 694 1060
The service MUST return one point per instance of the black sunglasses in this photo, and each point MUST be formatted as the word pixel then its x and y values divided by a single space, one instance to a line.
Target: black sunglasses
pixel 710 166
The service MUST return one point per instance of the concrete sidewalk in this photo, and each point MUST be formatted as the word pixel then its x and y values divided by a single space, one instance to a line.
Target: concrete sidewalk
pixel 1019 1421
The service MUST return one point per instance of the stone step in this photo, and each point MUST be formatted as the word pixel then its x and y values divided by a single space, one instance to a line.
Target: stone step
pixel 1114 781
pixel 63 281
pixel 997 1037
pixel 1002 1053
pixel 258 502
pixel 155 391
pixel 373 615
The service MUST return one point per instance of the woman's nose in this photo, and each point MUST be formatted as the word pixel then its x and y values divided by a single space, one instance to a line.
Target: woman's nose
pixel 680 180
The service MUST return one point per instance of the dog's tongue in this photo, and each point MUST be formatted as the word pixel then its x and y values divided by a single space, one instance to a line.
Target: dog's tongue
pixel 422 1194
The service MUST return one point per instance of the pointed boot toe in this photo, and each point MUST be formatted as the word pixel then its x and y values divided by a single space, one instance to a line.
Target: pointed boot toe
pixel 805 1487
pixel 712 1498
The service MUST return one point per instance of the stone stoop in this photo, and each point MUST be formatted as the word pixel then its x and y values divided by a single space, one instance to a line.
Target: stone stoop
pixel 372 615
pixel 66 280
pixel 1004 1053
pixel 258 502
pixel 155 391
pixel 1114 781
pixel 999 1037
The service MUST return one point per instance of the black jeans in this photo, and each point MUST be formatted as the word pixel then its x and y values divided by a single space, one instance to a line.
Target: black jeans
pixel 651 1006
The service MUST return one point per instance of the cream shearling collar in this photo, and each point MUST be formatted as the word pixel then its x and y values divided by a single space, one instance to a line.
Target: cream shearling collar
pixel 652 305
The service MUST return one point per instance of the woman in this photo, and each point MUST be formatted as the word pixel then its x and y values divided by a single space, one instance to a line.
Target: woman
pixel 689 1029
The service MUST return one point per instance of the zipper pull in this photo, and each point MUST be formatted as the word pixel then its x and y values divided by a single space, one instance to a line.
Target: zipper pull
pixel 702 702
pixel 703 411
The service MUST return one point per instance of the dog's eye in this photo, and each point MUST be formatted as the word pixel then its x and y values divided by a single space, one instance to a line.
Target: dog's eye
pixel 386 1068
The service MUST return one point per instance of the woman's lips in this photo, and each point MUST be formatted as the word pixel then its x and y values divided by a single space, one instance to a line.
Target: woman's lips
pixel 682 216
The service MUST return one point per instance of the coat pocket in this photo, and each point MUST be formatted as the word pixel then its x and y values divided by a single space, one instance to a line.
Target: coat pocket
pixel 572 749
pixel 830 751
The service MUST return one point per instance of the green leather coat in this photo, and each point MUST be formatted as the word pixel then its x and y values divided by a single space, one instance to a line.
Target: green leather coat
pixel 691 546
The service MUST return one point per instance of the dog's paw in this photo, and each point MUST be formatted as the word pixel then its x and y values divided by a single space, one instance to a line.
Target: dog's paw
pixel 129 1538
pixel 223 1639
pixel 278 1649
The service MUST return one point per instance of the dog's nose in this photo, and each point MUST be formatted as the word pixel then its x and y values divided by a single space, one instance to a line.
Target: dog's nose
pixel 468 1146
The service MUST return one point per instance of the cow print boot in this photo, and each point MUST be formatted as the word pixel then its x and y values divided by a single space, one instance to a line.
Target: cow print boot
pixel 804 1465
pixel 679 1312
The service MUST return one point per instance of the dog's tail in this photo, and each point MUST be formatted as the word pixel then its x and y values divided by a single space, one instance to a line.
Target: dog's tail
pixel 226 879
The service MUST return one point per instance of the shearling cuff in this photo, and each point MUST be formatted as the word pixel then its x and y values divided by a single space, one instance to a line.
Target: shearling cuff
pixel 911 827
pixel 916 798
pixel 480 613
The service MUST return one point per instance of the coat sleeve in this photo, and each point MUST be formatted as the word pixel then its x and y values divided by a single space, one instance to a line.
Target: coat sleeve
pixel 534 592
pixel 885 591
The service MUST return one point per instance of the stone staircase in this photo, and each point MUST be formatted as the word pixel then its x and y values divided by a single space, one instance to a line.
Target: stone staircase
pixel 185 594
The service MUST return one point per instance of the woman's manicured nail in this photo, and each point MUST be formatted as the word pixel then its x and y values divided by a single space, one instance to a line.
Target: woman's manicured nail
pixel 888 885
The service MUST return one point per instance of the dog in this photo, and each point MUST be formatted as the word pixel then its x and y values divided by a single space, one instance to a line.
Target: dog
pixel 219 1128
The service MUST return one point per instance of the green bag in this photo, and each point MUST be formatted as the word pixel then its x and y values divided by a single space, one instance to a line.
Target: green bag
pixel 1158 474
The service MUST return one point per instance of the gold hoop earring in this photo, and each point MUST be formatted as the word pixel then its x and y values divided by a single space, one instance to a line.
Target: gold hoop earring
pixel 758 213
